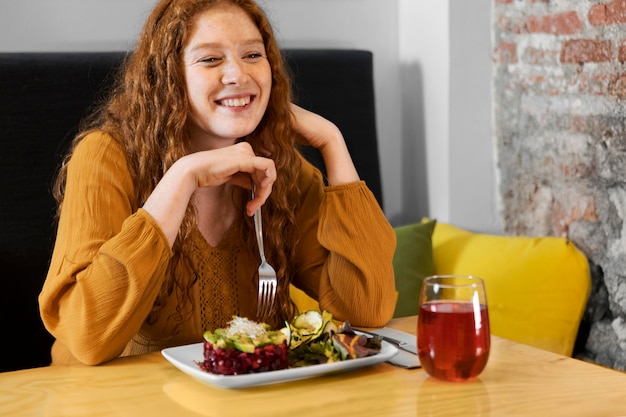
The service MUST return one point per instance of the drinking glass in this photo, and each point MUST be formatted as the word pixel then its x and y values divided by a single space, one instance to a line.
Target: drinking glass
pixel 453 337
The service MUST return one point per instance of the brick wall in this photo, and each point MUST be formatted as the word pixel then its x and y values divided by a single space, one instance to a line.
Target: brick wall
pixel 560 131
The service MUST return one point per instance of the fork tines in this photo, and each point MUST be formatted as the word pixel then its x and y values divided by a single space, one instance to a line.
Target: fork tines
pixel 267 289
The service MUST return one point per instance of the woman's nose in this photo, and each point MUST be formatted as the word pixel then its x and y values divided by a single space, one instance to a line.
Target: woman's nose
pixel 232 72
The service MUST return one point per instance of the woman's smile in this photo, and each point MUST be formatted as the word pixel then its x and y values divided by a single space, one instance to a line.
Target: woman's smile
pixel 235 102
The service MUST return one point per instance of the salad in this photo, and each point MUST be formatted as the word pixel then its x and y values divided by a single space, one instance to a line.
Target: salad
pixel 311 338
pixel 314 338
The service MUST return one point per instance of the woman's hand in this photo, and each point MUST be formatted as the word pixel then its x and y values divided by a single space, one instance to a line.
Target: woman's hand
pixel 314 130
pixel 325 136
pixel 236 164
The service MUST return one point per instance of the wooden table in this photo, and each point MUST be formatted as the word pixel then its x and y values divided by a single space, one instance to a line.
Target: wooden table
pixel 519 381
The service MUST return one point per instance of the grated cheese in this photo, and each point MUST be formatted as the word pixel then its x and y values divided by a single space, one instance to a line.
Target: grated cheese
pixel 243 326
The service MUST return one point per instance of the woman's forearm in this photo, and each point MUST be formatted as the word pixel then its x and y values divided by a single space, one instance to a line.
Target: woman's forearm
pixel 339 166
pixel 168 202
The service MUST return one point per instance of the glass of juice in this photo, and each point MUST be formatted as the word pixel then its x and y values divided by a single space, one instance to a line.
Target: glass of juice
pixel 453 337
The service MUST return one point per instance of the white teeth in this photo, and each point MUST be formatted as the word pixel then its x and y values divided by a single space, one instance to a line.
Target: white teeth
pixel 236 102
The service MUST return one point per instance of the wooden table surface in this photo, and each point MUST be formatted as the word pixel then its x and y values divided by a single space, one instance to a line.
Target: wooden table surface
pixel 519 380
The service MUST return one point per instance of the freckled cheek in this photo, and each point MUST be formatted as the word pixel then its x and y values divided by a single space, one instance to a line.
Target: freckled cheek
pixel 196 98
pixel 196 83
pixel 264 80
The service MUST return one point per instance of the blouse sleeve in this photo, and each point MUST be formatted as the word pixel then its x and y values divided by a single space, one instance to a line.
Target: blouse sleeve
pixel 345 253
pixel 109 258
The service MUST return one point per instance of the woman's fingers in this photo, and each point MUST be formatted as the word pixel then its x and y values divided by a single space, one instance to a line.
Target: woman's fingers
pixel 216 167
pixel 238 165
pixel 262 181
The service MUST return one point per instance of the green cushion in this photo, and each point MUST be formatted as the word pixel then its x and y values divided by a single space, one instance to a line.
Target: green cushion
pixel 412 262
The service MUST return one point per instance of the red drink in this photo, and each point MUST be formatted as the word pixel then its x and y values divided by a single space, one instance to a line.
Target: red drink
pixel 452 342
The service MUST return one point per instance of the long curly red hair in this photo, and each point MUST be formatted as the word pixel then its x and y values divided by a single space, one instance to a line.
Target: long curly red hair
pixel 147 112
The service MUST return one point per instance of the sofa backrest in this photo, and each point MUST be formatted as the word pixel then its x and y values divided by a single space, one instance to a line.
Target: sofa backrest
pixel 43 97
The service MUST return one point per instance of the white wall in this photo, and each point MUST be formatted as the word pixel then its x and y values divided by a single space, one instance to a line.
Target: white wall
pixel 445 56
pixel 473 190
pixel 70 25
pixel 424 62
pixel 432 73
pixel 360 24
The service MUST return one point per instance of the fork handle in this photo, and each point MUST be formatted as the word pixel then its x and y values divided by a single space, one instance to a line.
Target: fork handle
pixel 258 227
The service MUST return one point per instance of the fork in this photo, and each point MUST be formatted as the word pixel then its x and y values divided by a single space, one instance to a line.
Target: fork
pixel 267 275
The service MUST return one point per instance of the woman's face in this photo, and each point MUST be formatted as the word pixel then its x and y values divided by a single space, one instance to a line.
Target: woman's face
pixel 227 75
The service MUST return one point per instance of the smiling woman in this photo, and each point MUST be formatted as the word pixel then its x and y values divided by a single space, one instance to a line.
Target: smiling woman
pixel 34 83
pixel 155 243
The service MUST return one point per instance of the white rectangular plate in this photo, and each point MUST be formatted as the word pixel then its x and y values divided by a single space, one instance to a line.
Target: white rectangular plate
pixel 185 358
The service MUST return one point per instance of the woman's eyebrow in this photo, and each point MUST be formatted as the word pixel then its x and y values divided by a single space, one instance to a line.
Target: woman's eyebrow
pixel 213 45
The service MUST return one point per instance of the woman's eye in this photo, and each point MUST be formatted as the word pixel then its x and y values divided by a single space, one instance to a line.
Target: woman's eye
pixel 254 56
pixel 210 60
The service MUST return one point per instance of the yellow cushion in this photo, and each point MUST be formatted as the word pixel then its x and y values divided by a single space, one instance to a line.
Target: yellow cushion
pixel 302 300
pixel 537 287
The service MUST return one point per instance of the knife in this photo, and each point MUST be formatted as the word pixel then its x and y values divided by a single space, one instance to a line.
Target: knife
pixel 408 347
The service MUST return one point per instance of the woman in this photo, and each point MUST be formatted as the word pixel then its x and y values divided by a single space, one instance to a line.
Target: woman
pixel 155 241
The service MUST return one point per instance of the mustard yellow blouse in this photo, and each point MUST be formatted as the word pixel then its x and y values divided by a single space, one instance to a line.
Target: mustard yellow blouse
pixel 110 260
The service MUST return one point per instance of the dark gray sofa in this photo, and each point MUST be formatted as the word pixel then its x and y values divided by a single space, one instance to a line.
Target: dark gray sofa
pixel 43 96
